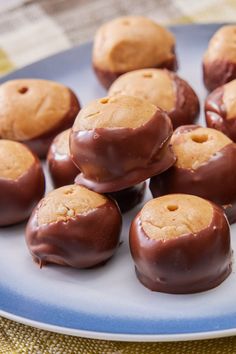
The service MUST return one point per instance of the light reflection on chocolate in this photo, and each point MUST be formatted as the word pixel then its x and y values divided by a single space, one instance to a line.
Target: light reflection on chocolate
pixel 83 241
pixel 185 264
pixel 121 157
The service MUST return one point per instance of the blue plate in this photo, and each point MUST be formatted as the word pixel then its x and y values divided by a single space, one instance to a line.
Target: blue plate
pixel 109 302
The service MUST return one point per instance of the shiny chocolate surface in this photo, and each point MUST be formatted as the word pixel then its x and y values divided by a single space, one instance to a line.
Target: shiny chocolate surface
pixel 62 169
pixel 19 197
pixel 82 241
pixel 114 159
pixel 214 180
pixel 185 264
pixel 187 104
pixel 218 73
pixel 215 113
pixel 128 198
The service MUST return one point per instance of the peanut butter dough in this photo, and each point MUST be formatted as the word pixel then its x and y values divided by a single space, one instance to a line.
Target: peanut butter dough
pixel 175 215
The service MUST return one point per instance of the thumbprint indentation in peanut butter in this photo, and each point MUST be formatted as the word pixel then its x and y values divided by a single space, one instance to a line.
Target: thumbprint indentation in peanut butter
pixel 175 215
pixel 23 90
pixel 104 100
pixel 31 107
pixel 200 138
pixel 196 147
pixel 172 207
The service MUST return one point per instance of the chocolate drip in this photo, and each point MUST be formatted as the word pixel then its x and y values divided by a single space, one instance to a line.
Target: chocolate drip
pixel 82 241
pixel 114 159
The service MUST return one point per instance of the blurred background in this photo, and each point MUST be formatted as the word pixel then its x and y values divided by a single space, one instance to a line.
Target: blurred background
pixel 34 29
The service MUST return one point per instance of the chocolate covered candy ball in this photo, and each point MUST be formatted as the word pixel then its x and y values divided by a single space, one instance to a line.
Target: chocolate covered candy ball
pixel 220 109
pixel 205 166
pixel 21 182
pixel 63 172
pixel 74 226
pixel 61 167
pixel 33 111
pixel 128 198
pixel 130 43
pixel 120 141
pixel 162 88
pixel 180 244
pixel 219 62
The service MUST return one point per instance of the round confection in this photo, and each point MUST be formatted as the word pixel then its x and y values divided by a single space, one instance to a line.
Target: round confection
pixel 63 172
pixel 181 244
pixel 219 62
pixel 220 109
pixel 128 198
pixel 162 88
pixel 61 167
pixel 74 226
pixel 44 108
pixel 131 43
pixel 21 182
pixel 120 141
pixel 205 167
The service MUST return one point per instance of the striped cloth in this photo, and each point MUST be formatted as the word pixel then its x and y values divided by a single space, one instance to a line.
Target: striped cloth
pixel 31 30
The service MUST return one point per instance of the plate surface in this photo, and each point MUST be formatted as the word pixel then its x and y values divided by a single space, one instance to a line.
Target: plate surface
pixel 109 302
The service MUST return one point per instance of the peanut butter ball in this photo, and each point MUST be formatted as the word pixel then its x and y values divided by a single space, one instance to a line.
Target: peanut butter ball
pixel 120 141
pixel 220 109
pixel 162 88
pixel 219 62
pixel 21 182
pixel 33 111
pixel 74 226
pixel 130 43
pixel 180 244
pixel 63 172
pixel 61 167
pixel 205 167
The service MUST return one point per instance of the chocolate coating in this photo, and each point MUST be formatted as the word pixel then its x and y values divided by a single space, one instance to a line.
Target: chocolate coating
pixel 41 144
pixel 19 197
pixel 114 159
pixel 61 167
pixel 218 73
pixel 187 104
pixel 128 198
pixel 185 264
pixel 106 77
pixel 215 112
pixel 83 241
pixel 214 180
